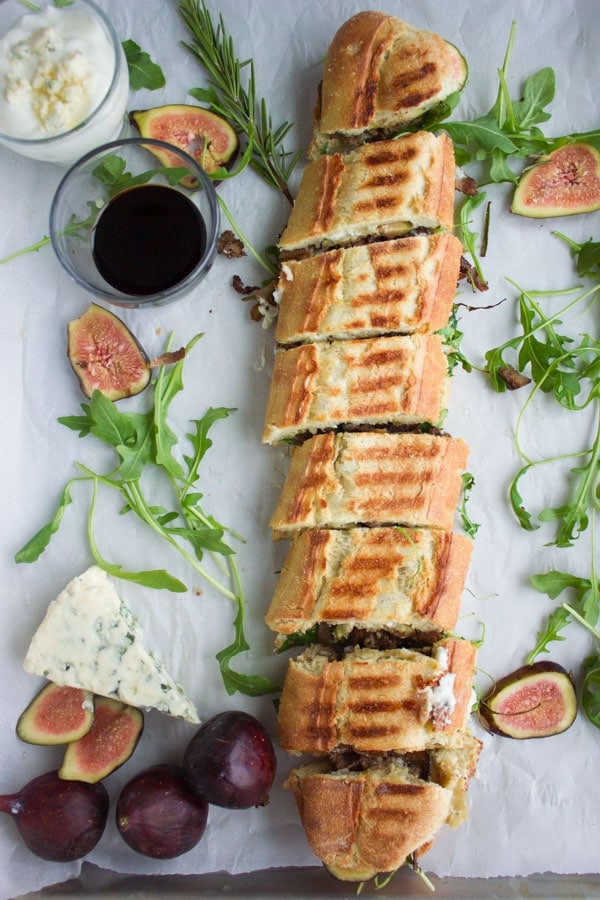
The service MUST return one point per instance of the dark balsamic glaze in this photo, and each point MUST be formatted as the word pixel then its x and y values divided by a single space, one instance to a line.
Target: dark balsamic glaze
pixel 148 239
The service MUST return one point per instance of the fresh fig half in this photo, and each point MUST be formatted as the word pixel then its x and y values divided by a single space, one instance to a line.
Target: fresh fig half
pixel 534 701
pixel 57 715
pixel 109 743
pixel 564 183
pixel 202 134
pixel 107 357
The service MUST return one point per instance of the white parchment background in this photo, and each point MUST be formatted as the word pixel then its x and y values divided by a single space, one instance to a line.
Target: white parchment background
pixel 535 805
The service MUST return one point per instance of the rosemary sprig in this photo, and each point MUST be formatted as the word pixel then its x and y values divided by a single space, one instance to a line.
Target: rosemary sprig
pixel 228 97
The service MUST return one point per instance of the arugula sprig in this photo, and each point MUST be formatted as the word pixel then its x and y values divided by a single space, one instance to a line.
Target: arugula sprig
pixel 112 177
pixel 509 131
pixel 570 371
pixel 143 441
pixel 239 103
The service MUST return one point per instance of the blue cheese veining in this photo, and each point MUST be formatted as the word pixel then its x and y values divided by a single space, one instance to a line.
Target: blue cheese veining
pixel 90 639
pixel 56 66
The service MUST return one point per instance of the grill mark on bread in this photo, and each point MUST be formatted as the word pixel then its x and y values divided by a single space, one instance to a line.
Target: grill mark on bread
pixel 405 79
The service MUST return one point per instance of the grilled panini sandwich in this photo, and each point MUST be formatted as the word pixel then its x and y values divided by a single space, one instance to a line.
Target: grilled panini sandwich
pixel 366 815
pixel 379 190
pixel 392 580
pixel 371 478
pixel 371 584
pixel 374 701
pixel 380 75
pixel 396 380
pixel 398 286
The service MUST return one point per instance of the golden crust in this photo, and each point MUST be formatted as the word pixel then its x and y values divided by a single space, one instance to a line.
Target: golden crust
pixel 398 380
pixel 371 577
pixel 399 286
pixel 375 701
pixel 361 823
pixel 381 73
pixel 371 478
pixel 385 189
pixel 367 822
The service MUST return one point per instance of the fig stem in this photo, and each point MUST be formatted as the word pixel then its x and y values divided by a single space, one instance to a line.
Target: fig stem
pixel 9 804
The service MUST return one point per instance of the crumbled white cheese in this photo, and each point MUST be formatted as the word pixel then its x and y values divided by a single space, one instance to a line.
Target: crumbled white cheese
pixel 56 65
pixel 442 701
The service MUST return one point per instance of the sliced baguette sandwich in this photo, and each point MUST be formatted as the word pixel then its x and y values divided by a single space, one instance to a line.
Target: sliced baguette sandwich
pixel 392 380
pixel 379 190
pixel 370 814
pixel 397 286
pixel 396 580
pixel 371 478
pixel 375 701
pixel 381 75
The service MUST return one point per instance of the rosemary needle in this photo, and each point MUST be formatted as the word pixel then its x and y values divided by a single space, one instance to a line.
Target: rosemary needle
pixel 228 97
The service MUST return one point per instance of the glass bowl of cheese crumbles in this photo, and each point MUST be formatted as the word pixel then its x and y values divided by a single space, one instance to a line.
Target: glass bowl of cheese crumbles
pixel 64 82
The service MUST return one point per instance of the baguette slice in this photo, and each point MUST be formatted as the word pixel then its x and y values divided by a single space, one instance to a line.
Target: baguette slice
pixel 360 823
pixel 371 478
pixel 375 701
pixel 394 380
pixel 379 190
pixel 381 74
pixel 370 578
pixel 399 286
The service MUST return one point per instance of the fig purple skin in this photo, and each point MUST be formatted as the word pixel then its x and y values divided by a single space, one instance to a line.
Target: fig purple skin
pixel 231 761
pixel 58 820
pixel 158 815
pixel 535 701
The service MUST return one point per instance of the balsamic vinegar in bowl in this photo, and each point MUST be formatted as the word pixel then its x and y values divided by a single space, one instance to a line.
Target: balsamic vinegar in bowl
pixel 130 231
pixel 148 239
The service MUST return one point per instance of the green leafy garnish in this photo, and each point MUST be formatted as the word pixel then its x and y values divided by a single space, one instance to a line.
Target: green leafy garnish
pixel 144 440
pixel 452 336
pixel 238 102
pixel 509 130
pixel 143 72
pixel 468 482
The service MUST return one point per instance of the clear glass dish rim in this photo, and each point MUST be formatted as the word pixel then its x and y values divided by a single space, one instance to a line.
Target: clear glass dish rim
pixel 135 300
pixel 119 63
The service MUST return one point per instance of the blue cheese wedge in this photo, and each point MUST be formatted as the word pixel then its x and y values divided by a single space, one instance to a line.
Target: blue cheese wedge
pixel 89 639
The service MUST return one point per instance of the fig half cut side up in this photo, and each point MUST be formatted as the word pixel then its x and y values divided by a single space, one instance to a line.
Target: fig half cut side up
pixel 534 701
pixel 200 133
pixel 57 715
pixel 109 743
pixel 107 357
pixel 564 183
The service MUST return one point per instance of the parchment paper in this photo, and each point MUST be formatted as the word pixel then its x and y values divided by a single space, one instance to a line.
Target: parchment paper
pixel 535 804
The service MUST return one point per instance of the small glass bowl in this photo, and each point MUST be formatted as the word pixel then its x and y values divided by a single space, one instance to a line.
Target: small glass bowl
pixel 82 196
pixel 108 119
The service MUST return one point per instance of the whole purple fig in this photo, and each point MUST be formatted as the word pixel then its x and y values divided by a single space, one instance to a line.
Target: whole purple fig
pixel 159 815
pixel 58 820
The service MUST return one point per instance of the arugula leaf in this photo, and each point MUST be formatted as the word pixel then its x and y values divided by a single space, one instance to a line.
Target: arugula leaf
pixel 557 621
pixel 143 72
pixel 590 689
pixel 587 256
pixel 468 482
pixel 467 234
pixel 585 606
pixel 36 545
pixel 509 131
pixel 251 685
